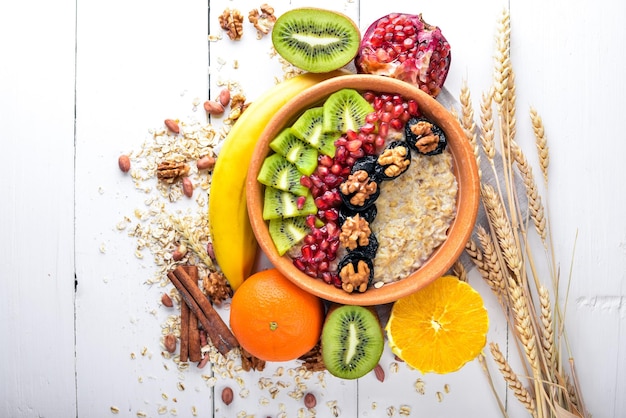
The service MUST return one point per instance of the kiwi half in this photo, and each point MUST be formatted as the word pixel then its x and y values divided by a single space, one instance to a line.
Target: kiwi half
pixel 279 173
pixel 295 151
pixel 287 232
pixel 352 341
pixel 316 40
pixel 280 204
pixel 309 128
pixel 345 110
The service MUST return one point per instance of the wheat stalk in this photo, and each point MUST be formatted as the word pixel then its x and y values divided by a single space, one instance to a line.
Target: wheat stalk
pixel 503 255
pixel 541 142
pixel 546 327
pixel 502 58
pixel 496 279
pixel 534 200
pixel 467 121
pixel 458 270
pixel 513 382
pixel 502 228
pixel 486 120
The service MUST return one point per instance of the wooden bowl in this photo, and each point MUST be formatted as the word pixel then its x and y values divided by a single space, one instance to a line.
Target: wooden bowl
pixel 464 167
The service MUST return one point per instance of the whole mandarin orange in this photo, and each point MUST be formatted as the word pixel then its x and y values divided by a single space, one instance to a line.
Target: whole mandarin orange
pixel 273 319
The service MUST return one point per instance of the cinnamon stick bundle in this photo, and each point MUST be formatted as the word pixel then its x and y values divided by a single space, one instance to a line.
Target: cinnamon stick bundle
pixel 217 330
pixel 193 332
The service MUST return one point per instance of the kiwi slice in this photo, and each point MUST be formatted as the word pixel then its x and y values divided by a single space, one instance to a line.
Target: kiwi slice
pixel 316 40
pixel 309 128
pixel 281 204
pixel 279 173
pixel 287 232
pixel 352 341
pixel 345 110
pixel 295 151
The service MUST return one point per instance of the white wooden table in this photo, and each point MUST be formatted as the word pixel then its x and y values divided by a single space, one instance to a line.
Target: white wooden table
pixel 82 82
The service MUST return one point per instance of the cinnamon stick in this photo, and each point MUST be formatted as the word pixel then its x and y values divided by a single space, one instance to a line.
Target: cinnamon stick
pixel 184 332
pixel 193 336
pixel 218 332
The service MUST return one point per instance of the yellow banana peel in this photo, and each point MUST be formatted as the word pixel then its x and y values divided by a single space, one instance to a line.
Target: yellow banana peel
pixel 233 240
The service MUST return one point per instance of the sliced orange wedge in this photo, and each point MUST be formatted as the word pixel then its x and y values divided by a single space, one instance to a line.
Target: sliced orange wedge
pixel 440 327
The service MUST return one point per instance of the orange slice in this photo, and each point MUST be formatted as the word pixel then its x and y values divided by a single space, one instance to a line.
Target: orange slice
pixel 439 328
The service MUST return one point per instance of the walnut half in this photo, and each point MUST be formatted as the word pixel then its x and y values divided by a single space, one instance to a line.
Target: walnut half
pixel 231 20
pixel 360 186
pixel 170 171
pixel 427 139
pixel 355 279
pixel 355 232
pixel 264 20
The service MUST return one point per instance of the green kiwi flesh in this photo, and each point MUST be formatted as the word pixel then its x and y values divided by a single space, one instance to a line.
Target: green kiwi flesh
pixel 309 128
pixel 287 232
pixel 281 204
pixel 279 173
pixel 352 341
pixel 316 40
pixel 296 151
pixel 344 111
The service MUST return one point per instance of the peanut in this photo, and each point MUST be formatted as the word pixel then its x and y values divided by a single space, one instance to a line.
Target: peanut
pixel 166 300
pixel 213 108
pixel 187 187
pixel 379 372
pixel 179 252
pixel 169 342
pixel 309 400
pixel 124 163
pixel 227 395
pixel 172 125
pixel 224 97
pixel 206 163
pixel 203 362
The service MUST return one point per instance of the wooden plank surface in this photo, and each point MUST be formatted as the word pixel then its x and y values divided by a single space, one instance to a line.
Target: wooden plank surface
pixel 37 209
pixel 78 89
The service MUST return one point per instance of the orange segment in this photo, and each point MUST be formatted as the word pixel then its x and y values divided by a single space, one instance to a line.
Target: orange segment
pixel 439 328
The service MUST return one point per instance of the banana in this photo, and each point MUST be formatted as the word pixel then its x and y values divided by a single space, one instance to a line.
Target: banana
pixel 233 240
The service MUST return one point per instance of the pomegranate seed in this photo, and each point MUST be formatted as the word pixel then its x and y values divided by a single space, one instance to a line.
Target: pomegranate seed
pixel 354 145
pixel 299 264
pixel 335 169
pixel 371 118
pixel 368 128
pixel 383 129
pixel 325 160
pixel 396 124
pixel 306 252
pixel 306 182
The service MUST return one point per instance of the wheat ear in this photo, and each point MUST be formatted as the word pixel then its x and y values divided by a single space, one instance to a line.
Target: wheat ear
pixel 486 120
pixel 491 264
pixel 502 228
pixel 502 58
pixel 523 324
pixel 467 121
pixel 535 205
pixel 458 270
pixel 541 142
pixel 513 382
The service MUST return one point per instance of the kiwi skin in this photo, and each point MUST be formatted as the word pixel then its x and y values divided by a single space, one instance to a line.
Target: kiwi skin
pixel 332 348
pixel 315 60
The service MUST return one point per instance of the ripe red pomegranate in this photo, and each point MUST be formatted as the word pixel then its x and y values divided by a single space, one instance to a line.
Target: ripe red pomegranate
pixel 405 47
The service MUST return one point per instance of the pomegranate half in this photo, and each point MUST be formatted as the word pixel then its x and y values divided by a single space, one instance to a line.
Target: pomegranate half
pixel 405 47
